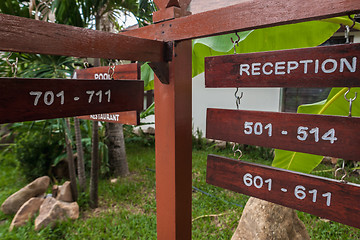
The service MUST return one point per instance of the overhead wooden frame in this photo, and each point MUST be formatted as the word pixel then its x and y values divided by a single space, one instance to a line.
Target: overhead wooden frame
pixel 18 34
pixel 246 15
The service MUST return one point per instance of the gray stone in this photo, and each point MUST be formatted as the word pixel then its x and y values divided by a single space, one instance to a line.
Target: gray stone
pixel 53 210
pixel 26 212
pixel 263 220
pixel 33 189
pixel 64 192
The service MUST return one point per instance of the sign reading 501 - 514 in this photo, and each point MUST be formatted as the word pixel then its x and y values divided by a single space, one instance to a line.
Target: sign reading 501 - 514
pixel 331 66
pixel 34 99
pixel 317 134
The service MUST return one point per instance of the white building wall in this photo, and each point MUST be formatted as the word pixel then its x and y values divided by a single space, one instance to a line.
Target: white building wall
pixel 261 99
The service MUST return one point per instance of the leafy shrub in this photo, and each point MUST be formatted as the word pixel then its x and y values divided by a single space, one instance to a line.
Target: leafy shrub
pixel 36 153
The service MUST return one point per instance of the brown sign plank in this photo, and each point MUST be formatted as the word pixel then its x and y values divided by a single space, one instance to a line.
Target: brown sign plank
pixel 331 66
pixel 126 71
pixel 326 198
pixel 240 17
pixel 19 34
pixel 316 134
pixel 128 117
pixel 34 99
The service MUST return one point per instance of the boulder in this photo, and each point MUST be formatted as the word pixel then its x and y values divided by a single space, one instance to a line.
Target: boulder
pixel 33 189
pixel 53 210
pixel 263 220
pixel 26 212
pixel 64 192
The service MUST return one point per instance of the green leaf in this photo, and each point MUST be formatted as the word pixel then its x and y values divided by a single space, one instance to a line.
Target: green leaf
pixel 300 35
pixel 147 75
pixel 335 104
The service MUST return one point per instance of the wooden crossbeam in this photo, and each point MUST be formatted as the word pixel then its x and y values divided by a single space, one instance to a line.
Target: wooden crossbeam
pixel 246 15
pixel 322 197
pixel 26 35
pixel 316 134
pixel 35 99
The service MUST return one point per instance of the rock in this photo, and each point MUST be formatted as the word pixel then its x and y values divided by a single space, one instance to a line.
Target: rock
pixel 64 192
pixel 54 190
pixel 263 220
pixel 53 210
pixel 26 212
pixel 33 189
pixel 114 180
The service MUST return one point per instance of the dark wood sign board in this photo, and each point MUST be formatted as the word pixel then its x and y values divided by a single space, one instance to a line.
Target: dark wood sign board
pixel 326 198
pixel 35 99
pixel 126 71
pixel 330 66
pixel 316 134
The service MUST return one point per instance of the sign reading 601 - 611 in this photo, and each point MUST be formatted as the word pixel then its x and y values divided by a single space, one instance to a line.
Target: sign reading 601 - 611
pixel 34 99
pixel 334 136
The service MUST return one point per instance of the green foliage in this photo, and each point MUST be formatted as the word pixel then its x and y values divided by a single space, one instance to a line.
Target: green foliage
pixel 300 35
pixel 141 138
pixel 335 104
pixel 36 153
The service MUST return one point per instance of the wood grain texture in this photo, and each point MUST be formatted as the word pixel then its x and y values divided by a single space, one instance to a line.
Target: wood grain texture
pixel 19 99
pixel 331 66
pixel 26 35
pixel 285 186
pixel 245 16
pixel 122 72
pixel 230 125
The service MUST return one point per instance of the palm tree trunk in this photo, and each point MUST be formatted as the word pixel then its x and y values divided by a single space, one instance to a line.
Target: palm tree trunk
pixel 117 152
pixel 94 174
pixel 71 163
pixel 80 157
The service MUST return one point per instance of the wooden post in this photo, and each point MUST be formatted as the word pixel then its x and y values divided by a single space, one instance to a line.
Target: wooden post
pixel 173 147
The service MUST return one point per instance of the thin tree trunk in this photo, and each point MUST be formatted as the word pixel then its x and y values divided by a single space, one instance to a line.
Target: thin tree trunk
pixel 71 163
pixel 94 174
pixel 117 152
pixel 80 157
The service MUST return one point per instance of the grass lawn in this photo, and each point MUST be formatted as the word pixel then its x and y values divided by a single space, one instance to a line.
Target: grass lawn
pixel 128 208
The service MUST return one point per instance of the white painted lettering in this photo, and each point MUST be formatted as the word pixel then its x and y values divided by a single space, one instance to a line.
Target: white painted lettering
pixel 292 65
pixel 316 66
pixel 279 66
pixel 96 76
pixel 264 68
pixel 331 70
pixel 255 67
pixel 244 68
pixel 351 68
pixel 305 62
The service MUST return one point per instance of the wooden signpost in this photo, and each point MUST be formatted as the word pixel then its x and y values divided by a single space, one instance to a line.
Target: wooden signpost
pixel 34 99
pixel 322 197
pixel 317 134
pixel 331 66
pixel 126 71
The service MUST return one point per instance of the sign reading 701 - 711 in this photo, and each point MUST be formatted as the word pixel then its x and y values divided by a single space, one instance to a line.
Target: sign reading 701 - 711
pixel 331 66
pixel 334 136
pixel 35 99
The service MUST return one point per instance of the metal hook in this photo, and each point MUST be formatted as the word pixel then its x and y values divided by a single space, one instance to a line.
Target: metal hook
pixel 238 98
pixel 236 43
pixel 343 170
pixel 86 63
pixel 350 100
pixel 14 66
pixel 237 150
pixel 111 70
pixel 347 31
pixel 352 19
